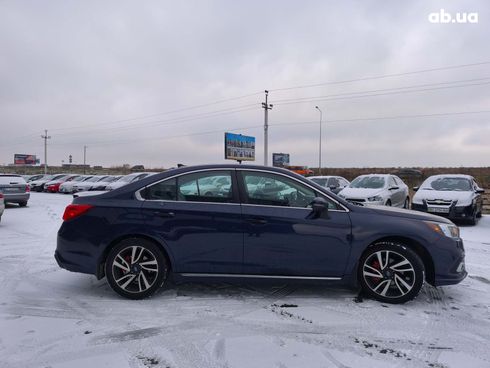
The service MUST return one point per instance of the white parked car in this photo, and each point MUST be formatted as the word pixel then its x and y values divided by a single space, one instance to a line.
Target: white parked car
pixel 87 184
pixel 377 189
pixel 457 197
pixel 102 184
pixel 126 179
pixel 333 183
pixel 67 186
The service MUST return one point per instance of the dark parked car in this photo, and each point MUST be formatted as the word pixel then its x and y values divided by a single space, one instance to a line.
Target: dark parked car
pixel 457 197
pixel 137 234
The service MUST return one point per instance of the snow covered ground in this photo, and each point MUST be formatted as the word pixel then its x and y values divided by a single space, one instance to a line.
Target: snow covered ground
pixel 50 317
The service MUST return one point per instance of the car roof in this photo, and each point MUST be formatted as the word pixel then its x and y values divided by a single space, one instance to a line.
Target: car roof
pixel 461 176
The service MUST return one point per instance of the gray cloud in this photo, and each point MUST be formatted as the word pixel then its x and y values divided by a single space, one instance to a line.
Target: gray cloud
pixel 73 67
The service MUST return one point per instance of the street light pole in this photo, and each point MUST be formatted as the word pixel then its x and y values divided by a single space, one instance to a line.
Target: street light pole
pixel 320 144
pixel 266 106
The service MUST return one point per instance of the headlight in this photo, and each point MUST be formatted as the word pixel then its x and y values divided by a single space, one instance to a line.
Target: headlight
pixel 375 199
pixel 451 231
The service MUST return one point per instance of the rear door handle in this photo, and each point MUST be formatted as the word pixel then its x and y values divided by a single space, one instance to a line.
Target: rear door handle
pixel 257 221
pixel 164 214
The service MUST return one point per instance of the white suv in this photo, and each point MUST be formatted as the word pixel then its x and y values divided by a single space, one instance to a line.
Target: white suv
pixel 378 189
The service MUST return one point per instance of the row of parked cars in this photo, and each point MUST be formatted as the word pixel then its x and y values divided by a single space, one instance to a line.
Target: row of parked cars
pixel 455 196
pixel 74 183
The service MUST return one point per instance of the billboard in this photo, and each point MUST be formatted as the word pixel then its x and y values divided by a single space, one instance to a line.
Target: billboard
pixel 23 159
pixel 280 159
pixel 239 147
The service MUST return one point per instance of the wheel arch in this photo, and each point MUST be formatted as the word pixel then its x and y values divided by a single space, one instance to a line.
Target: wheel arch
pixel 415 246
pixel 103 257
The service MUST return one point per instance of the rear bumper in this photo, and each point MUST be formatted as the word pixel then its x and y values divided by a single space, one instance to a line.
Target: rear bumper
pixel 16 197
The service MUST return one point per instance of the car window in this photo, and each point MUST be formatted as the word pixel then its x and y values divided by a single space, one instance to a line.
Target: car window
pixel 164 191
pixel 393 182
pixel 333 182
pixel 211 186
pixel 276 190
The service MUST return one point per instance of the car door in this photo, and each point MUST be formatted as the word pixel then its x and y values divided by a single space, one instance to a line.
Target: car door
pixel 201 225
pixel 396 195
pixel 281 236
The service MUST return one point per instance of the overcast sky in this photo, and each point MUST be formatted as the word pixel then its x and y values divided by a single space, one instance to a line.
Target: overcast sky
pixel 143 82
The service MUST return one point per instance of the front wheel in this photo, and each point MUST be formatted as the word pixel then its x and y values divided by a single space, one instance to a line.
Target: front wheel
pixel 406 204
pixel 136 268
pixel 391 273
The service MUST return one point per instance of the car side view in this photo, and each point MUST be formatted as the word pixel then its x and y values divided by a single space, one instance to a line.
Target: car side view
pixel 255 223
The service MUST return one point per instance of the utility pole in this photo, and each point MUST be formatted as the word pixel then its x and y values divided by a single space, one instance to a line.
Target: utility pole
pixel 45 137
pixel 84 158
pixel 266 106
pixel 320 146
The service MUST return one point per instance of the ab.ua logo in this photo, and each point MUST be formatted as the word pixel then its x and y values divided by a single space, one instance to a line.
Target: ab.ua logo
pixel 444 17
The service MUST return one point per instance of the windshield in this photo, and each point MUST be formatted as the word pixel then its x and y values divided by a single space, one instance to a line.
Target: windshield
pixel 320 181
pixel 127 178
pixel 79 178
pixel 447 184
pixel 368 182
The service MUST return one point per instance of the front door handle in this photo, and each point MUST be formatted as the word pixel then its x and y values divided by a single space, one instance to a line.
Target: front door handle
pixel 164 214
pixel 257 221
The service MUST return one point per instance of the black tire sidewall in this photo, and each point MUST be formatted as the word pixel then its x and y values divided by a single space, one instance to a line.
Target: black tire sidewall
pixel 410 255
pixel 161 260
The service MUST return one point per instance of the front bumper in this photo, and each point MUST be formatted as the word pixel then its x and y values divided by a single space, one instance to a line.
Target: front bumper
pixel 453 212
pixel 449 263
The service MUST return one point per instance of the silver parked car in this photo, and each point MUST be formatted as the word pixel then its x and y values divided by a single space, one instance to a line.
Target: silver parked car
pixel 14 189
pixel 2 206
pixel 126 179
pixel 377 189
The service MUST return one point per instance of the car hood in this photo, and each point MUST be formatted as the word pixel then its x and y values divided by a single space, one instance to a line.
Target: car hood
pixel 443 194
pixel 400 212
pixel 360 192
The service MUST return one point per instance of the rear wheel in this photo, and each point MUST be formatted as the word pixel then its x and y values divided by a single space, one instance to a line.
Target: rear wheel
pixel 23 204
pixel 406 205
pixel 388 203
pixel 391 273
pixel 473 219
pixel 136 268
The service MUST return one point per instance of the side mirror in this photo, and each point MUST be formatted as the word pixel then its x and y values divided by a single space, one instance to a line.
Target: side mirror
pixel 319 205
pixel 332 187
pixel 415 189
pixel 480 191
pixel 394 188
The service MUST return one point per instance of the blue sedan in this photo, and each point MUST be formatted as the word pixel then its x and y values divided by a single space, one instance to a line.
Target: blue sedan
pixel 253 222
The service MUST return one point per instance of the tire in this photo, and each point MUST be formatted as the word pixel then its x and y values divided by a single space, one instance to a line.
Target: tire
pixel 22 204
pixel 129 278
pixel 474 218
pixel 388 203
pixel 406 204
pixel 379 281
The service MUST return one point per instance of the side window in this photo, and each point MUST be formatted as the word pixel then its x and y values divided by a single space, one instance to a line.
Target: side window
pixel 277 190
pixel 393 182
pixel 165 191
pixel 210 186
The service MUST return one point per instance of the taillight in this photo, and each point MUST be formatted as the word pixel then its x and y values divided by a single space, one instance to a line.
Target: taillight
pixel 75 210
pixel 28 188
pixel 1 195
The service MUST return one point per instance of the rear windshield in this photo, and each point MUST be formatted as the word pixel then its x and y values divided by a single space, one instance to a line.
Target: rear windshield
pixel 5 179
pixel 447 184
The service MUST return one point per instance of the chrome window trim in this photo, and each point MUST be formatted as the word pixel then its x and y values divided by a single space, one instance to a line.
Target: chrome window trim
pixel 188 274
pixel 138 196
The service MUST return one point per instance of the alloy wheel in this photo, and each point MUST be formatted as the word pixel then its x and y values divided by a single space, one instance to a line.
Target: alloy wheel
pixel 389 274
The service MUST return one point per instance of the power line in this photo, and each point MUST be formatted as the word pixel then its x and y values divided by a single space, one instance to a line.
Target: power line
pixel 289 123
pixel 383 90
pixel 381 94
pixel 381 76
